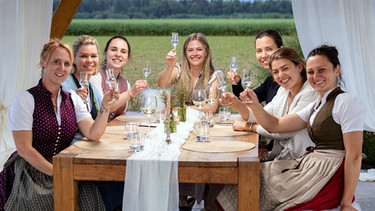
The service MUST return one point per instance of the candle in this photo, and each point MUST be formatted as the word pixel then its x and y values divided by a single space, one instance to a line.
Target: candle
pixel 168 106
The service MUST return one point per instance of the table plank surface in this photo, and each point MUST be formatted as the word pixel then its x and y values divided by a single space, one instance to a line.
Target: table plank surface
pixel 75 164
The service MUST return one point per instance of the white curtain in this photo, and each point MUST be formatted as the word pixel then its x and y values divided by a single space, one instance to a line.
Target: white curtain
pixel 24 27
pixel 350 26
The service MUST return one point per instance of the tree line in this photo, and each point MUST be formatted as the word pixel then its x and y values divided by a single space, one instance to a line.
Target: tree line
pixel 159 9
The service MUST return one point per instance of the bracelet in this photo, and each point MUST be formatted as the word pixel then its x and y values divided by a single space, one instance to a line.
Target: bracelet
pixel 103 108
pixel 251 126
pixel 129 94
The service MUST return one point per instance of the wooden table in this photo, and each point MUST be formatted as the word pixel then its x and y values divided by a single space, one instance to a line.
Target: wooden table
pixel 77 164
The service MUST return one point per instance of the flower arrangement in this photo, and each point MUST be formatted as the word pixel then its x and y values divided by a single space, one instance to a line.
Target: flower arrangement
pixel 178 95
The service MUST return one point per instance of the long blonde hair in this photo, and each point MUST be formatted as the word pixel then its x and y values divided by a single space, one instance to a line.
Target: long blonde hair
pixel 207 69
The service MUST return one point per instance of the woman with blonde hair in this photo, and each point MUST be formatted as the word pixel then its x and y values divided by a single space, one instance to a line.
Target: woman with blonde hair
pixel 43 120
pixel 196 70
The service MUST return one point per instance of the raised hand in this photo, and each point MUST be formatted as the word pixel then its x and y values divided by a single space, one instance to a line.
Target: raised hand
pixel 229 99
pixel 138 87
pixel 233 77
pixel 110 98
pixel 171 58
pixel 249 97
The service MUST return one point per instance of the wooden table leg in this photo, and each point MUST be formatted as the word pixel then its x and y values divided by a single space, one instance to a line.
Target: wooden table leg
pixel 248 184
pixel 65 188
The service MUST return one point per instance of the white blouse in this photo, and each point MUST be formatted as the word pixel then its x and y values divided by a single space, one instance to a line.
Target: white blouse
pixel 348 111
pixel 20 114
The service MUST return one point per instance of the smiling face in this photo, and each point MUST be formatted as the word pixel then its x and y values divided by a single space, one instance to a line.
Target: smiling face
pixel 287 74
pixel 117 54
pixel 87 59
pixel 57 68
pixel 321 73
pixel 264 47
pixel 196 54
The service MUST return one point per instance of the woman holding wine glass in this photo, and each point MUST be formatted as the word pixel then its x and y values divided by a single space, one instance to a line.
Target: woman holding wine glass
pixel 195 72
pixel 294 94
pixel 117 52
pixel 266 42
pixel 86 63
pixel 44 120
pixel 327 176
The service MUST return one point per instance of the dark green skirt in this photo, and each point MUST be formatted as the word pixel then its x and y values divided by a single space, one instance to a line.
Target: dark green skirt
pixel 33 190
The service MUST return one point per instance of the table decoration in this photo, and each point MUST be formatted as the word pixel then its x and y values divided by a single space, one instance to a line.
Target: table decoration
pixel 155 169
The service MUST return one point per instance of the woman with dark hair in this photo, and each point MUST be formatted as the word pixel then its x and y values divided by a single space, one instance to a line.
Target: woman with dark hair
pixel 266 42
pixel 295 93
pixel 117 52
pixel 326 177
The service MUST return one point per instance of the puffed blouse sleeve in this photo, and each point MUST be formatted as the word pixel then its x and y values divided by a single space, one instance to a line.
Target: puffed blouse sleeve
pixel 349 112
pixel 21 111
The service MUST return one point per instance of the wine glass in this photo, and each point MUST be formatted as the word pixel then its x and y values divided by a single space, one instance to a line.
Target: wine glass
pixel 246 81
pixel 199 99
pixel 111 79
pixel 174 40
pixel 233 66
pixel 84 82
pixel 221 83
pixel 146 70
pixel 149 105
pixel 212 93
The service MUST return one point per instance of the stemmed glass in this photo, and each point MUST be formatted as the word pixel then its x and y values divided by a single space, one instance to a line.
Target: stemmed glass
pixel 246 81
pixel 212 93
pixel 199 99
pixel 149 105
pixel 174 40
pixel 221 83
pixel 84 82
pixel 111 79
pixel 146 70
pixel 233 66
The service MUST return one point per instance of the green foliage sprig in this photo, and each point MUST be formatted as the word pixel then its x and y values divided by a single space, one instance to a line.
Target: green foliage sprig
pixel 178 95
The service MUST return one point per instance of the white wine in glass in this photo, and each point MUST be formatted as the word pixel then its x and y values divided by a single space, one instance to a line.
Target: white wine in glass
pixel 149 106
pixel 199 99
